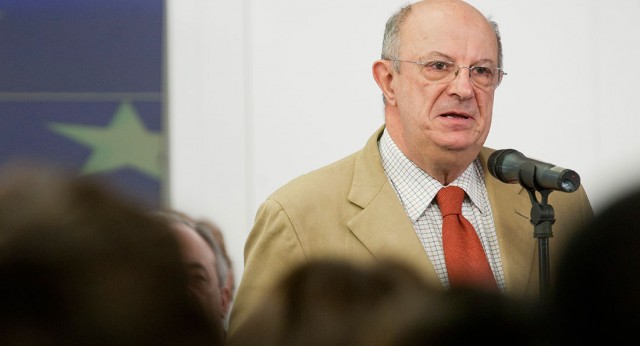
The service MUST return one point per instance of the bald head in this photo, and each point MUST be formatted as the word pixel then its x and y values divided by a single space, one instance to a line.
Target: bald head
pixel 436 14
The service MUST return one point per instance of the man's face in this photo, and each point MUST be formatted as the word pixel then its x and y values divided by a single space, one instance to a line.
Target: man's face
pixel 201 267
pixel 436 116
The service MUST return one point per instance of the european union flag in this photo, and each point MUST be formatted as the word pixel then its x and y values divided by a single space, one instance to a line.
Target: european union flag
pixel 81 85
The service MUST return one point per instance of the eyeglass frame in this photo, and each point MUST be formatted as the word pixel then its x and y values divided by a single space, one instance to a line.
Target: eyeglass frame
pixel 501 72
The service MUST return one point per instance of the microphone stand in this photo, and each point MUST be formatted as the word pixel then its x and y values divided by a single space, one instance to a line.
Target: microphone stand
pixel 542 217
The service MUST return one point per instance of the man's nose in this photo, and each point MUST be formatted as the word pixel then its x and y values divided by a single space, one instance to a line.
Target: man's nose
pixel 461 85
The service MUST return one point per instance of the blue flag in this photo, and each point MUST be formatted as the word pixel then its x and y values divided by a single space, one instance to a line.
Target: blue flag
pixel 81 86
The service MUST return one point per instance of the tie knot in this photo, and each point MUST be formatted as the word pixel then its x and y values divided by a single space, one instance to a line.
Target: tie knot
pixel 450 200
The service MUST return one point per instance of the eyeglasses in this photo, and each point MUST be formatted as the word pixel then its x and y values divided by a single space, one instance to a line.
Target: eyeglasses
pixel 445 71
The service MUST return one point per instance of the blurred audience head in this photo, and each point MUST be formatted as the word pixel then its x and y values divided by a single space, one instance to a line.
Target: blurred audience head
pixel 204 261
pixel 464 316
pixel 79 265
pixel 596 288
pixel 333 302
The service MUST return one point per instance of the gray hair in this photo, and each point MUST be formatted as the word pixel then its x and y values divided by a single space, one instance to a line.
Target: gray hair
pixel 391 39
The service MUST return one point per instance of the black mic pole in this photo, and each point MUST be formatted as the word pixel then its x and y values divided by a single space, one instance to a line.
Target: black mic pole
pixel 510 166
pixel 542 217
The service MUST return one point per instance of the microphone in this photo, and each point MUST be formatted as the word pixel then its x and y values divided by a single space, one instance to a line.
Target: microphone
pixel 511 166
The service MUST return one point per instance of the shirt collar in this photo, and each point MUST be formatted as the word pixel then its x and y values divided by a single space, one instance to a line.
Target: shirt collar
pixel 417 189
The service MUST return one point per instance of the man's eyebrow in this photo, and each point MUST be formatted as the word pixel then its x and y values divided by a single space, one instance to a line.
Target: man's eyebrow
pixel 483 61
pixel 439 55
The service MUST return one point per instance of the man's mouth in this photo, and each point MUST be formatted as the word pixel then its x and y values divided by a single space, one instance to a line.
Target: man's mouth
pixel 455 115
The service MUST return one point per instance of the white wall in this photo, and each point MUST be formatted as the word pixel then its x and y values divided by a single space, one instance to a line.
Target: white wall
pixel 263 91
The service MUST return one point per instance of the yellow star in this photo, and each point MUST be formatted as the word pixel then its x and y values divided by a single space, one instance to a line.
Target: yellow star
pixel 124 143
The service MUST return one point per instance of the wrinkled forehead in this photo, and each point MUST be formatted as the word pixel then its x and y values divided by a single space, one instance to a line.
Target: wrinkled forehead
pixel 451 28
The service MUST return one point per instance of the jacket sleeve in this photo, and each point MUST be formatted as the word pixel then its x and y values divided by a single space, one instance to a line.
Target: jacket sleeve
pixel 271 251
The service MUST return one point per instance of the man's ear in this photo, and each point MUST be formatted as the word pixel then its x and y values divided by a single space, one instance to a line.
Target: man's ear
pixel 225 299
pixel 383 74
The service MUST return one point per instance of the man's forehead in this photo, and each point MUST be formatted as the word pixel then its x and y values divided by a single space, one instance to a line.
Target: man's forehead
pixel 448 34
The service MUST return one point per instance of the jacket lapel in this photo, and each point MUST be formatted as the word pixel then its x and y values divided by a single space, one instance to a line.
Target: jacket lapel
pixel 382 225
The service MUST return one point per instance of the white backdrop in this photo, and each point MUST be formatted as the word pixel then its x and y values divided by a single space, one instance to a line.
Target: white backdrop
pixel 262 91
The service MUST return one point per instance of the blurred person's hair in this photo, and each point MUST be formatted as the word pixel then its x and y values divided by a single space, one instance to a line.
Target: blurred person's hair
pixel 334 302
pixel 596 284
pixel 80 264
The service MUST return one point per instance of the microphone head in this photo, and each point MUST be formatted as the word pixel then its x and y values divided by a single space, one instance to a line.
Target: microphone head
pixel 496 164
pixel 511 166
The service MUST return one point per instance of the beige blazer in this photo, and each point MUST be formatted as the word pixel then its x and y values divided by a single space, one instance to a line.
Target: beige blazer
pixel 349 209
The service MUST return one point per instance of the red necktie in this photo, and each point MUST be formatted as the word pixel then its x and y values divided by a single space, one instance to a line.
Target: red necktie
pixel 466 261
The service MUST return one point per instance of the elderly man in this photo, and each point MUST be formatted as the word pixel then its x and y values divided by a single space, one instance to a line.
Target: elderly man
pixel 441 64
